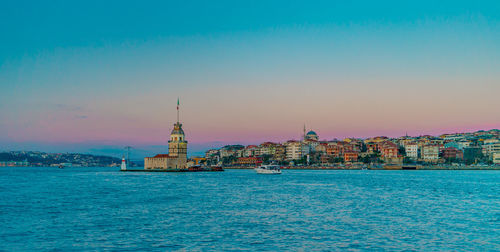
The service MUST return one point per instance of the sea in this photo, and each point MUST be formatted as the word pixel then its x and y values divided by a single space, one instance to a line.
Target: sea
pixel 103 209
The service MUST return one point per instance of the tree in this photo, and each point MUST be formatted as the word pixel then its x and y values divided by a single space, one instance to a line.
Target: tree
pixel 408 160
pixel 228 160
pixel 302 160
pixel 402 151
pixel 338 160
pixel 266 158
pixel 366 159
pixel 363 147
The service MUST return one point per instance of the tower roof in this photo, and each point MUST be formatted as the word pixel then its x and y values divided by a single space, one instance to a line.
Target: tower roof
pixel 177 129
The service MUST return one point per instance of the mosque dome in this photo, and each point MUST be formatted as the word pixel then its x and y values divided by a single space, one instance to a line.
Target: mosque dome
pixel 311 133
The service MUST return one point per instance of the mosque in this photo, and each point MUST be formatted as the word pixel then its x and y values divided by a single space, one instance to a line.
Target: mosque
pixel 176 159
pixel 310 136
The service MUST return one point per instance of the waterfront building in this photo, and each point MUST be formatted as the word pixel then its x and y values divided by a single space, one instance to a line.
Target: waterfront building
pixel 491 147
pixel 357 144
pixel 267 148
pixel 430 153
pixel 491 141
pixel 311 144
pixel 495 133
pixel 14 163
pixel 424 148
pixel 377 139
pixel 240 153
pixel 211 153
pixel 403 141
pixel 212 157
pixel 452 144
pixel 333 149
pixel 280 152
pixel 293 150
pixel 309 147
pixel 231 150
pixel 389 150
pixel 305 149
pixel 325 159
pixel 496 158
pixel 321 148
pixel 411 150
pixel 451 153
pixel 463 144
pixel 453 137
pixel 372 147
pixel 250 151
pixel 226 152
pixel 436 141
pixel 249 161
pixel 177 151
pixel 350 156
pixel 346 147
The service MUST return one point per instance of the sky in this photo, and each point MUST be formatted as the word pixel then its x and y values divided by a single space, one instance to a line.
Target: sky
pixel 94 76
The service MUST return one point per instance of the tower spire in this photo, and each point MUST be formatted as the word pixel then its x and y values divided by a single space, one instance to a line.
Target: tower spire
pixel 177 110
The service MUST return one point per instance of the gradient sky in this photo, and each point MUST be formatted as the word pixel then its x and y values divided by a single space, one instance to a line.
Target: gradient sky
pixel 96 75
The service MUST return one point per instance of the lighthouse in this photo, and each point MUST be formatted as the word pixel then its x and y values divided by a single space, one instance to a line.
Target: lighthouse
pixel 124 165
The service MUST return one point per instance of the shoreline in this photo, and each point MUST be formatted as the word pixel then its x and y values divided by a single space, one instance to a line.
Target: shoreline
pixel 386 167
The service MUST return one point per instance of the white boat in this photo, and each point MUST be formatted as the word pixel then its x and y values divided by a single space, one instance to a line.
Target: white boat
pixel 268 169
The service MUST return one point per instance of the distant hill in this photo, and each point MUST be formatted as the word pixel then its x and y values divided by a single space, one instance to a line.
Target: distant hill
pixel 36 158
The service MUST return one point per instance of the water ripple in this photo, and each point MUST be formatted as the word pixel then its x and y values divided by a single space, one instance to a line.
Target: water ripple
pixel 103 209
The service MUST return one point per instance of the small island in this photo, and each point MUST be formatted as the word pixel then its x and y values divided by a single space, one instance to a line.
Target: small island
pixel 176 159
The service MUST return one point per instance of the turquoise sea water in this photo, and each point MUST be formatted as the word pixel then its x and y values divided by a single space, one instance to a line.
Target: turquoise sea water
pixel 104 209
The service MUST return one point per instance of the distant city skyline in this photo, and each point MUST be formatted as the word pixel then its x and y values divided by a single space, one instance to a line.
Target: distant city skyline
pixel 142 150
pixel 92 75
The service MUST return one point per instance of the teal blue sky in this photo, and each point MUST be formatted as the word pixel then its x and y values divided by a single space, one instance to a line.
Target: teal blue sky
pixel 76 75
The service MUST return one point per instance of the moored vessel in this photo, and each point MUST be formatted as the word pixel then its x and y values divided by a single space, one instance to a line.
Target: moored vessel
pixel 268 169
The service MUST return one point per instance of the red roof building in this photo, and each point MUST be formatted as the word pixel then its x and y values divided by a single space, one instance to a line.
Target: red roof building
pixel 350 156
pixel 452 153
pixel 249 160
pixel 389 150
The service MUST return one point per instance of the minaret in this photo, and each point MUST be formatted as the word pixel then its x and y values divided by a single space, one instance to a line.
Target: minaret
pixel 304 135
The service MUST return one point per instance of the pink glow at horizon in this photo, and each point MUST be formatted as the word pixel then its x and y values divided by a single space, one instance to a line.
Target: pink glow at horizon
pixel 142 128
pixel 258 113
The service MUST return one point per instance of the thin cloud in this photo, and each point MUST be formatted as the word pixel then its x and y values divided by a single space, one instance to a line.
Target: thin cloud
pixel 68 107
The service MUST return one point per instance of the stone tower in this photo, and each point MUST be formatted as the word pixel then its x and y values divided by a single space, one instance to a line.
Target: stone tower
pixel 177 145
pixel 177 151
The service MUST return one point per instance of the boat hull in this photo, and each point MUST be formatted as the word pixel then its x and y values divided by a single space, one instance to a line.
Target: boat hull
pixel 265 171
